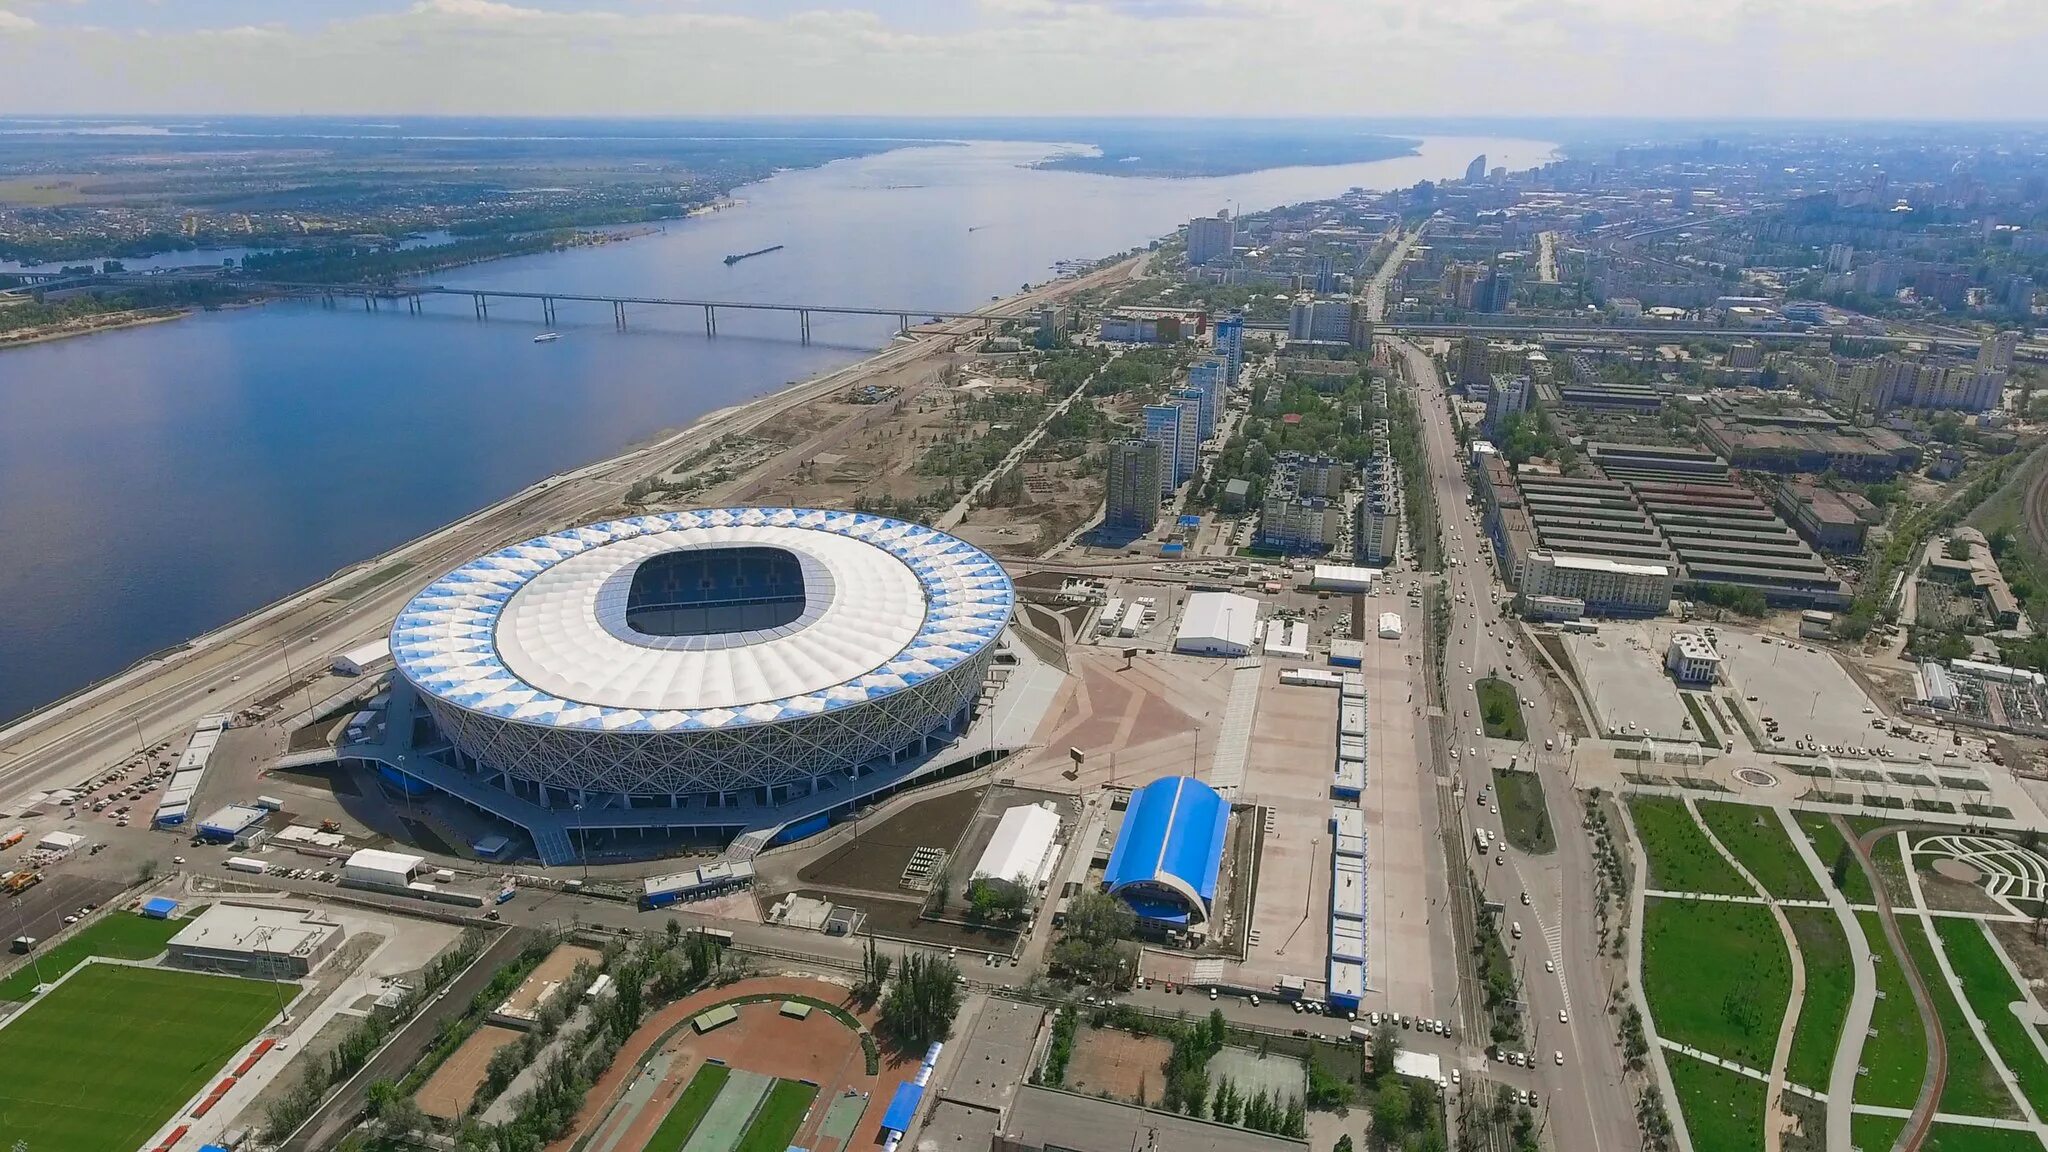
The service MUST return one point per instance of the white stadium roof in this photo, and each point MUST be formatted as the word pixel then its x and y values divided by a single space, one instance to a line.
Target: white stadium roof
pixel 536 633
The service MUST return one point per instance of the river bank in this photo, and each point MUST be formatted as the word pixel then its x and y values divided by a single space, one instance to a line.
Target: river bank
pixel 87 325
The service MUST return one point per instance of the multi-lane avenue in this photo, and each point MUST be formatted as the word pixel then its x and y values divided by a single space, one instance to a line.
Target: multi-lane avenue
pixel 1564 978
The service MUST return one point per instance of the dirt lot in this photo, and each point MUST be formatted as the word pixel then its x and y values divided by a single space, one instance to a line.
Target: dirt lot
pixel 901 918
pixel 874 860
pixel 1123 1065
pixel 448 1091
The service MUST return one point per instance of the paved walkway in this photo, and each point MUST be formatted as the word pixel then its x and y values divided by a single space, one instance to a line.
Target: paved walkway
pixel 1936 1075
pixel 1955 985
pixel 1862 997
pixel 1953 1118
pixel 1775 1117
pixel 1725 898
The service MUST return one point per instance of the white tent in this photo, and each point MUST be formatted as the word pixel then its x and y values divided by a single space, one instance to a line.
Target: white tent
pixel 1217 624
pixel 1021 846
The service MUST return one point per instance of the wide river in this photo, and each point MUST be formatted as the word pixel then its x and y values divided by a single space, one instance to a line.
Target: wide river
pixel 159 481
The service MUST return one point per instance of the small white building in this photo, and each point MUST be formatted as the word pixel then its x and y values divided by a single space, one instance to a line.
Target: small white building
pixel 1217 624
pixel 277 943
pixel 372 657
pixel 1691 659
pixel 1342 578
pixel 1390 626
pixel 1287 639
pixel 1021 851
pixel 376 868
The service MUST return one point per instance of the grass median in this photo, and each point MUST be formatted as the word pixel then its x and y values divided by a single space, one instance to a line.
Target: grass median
pixel 1500 711
pixel 1524 819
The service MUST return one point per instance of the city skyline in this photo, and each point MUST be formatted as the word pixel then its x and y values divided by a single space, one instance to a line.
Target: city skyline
pixel 1022 57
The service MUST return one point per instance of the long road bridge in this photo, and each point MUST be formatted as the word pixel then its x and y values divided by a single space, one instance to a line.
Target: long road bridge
pixel 481 298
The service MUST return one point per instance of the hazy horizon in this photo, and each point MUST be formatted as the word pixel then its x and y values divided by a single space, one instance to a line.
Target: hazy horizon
pixel 1924 61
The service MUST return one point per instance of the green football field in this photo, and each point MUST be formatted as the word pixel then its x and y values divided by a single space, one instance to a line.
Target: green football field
pixel 101 1062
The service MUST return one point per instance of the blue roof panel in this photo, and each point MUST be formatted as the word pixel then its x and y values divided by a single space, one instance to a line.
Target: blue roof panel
pixel 1173 829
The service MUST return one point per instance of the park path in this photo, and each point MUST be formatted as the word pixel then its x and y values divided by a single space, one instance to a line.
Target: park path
pixel 1862 997
pixel 1639 867
pixel 1936 1076
pixel 1788 1025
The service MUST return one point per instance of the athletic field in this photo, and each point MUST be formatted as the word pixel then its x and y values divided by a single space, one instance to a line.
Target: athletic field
pixel 102 1061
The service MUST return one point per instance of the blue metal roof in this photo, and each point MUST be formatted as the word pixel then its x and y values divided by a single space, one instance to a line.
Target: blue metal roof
pixel 903 1107
pixel 160 906
pixel 1172 836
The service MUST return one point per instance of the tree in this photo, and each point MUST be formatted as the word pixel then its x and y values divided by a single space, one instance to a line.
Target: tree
pixel 1843 862
pixel 921 1004
pixel 1096 946
pixel 998 900
pixel 1390 1113
pixel 1384 1046
pixel 1343 1143
pixel 874 972
pixel 1957 549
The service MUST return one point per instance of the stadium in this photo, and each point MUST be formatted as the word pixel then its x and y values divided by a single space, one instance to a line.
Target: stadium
pixel 665 670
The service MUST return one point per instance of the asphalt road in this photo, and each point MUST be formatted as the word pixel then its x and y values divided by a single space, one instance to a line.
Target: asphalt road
pixel 1589 1107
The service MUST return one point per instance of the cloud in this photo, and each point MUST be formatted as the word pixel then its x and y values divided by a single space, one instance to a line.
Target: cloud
pixel 1188 57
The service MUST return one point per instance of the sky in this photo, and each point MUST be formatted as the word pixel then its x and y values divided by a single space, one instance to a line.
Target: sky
pixel 1874 59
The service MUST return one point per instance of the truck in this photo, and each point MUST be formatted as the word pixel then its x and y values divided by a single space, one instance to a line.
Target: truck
pixel 248 864
pixel 1481 838
pixel 20 881
pixel 270 803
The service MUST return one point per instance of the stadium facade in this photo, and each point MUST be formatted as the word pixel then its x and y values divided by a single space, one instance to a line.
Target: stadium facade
pixel 692 669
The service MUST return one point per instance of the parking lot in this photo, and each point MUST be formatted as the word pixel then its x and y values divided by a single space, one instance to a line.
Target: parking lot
pixel 1800 687
pixel 1624 675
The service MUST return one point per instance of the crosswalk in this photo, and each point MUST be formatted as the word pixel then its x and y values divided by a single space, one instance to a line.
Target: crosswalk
pixel 1553 939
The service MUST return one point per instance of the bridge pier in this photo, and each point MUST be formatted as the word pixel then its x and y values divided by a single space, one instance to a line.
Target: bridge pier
pixel 902 323
pixel 483 306
pixel 803 323
pixel 414 305
pixel 710 320
pixel 547 310
pixel 619 314
pixel 369 302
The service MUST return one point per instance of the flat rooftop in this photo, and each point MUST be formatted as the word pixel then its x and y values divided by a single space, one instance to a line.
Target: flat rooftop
pixel 1048 1118
pixel 280 931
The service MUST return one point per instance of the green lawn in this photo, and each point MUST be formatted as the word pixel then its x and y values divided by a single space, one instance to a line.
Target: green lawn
pixel 1973 1087
pixel 1500 711
pixel 1681 857
pixel 689 1108
pixel 101 1062
pixel 1828 844
pixel 1830 980
pixel 1716 976
pixel 1968 1138
pixel 1723 1110
pixel 776 1120
pixel 1756 837
pixel 1885 856
pixel 1523 818
pixel 118 936
pixel 1991 993
pixel 1875 1133
pixel 1896 1057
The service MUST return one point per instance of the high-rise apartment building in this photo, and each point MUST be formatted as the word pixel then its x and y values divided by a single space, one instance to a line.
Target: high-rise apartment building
pixel 1476 170
pixel 1207 378
pixel 1230 346
pixel 1211 238
pixel 1187 449
pixel 1996 351
pixel 1162 427
pixel 1135 484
